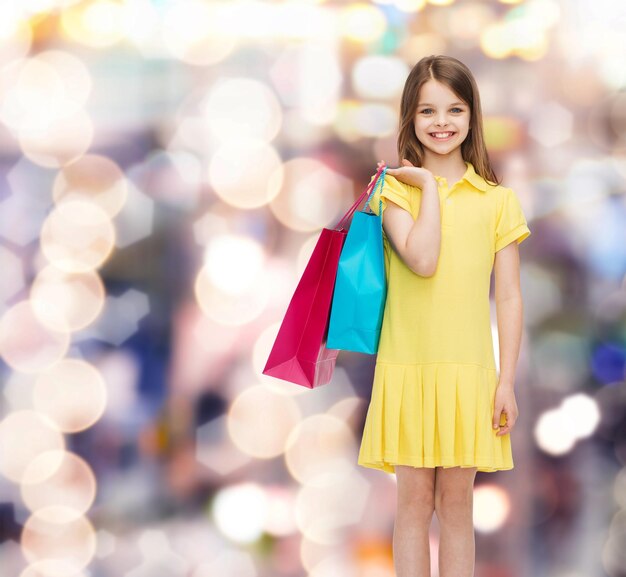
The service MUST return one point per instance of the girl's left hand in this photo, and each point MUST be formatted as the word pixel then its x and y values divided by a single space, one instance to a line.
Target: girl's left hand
pixel 504 402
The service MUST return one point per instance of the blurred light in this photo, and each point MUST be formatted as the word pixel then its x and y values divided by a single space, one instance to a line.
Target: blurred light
pixel 26 344
pixel 312 195
pixel 68 539
pixel 77 236
pixel 99 23
pixel 52 568
pixel 319 444
pixel 555 432
pixel 226 307
pixel 12 275
pixel 375 120
pixel 582 410
pixel 63 480
pixel 227 563
pixel 192 32
pixel 613 551
pixel 492 507
pixel 330 503
pixel 39 6
pixel 408 5
pixel 379 76
pixel 24 435
pixel 64 140
pixel 159 558
pixel 248 418
pixel 227 249
pixel 441 2
pixel 72 393
pixel 281 520
pixel 15 33
pixel 465 22
pixel 246 173
pixel 241 511
pixel 608 362
pixel 362 22
pixel 93 178
pixel 76 299
pixel 551 124
pixel 503 133
pixel 240 108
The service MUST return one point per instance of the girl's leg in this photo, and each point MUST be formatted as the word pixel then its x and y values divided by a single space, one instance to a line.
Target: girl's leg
pixel 454 500
pixel 415 508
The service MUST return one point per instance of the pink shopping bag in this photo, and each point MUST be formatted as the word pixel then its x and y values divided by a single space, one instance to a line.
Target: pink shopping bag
pixel 299 354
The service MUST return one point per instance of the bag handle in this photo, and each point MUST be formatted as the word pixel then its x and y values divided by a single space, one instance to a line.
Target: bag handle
pixel 367 192
pixel 380 198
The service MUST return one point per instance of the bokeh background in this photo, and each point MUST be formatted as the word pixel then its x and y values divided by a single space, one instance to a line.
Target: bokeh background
pixel 166 168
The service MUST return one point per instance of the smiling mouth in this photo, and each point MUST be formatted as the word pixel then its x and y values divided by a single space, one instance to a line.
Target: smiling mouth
pixel 442 135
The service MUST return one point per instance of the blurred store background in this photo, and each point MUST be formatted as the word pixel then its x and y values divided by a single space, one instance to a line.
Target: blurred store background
pixel 167 166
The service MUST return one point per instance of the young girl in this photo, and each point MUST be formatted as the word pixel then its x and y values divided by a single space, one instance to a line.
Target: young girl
pixel 439 410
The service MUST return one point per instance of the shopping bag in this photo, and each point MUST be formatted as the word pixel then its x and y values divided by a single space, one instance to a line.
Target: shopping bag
pixel 358 304
pixel 300 353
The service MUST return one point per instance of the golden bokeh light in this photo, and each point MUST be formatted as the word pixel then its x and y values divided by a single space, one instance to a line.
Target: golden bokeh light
pixel 64 140
pixel 24 435
pixel 99 23
pixel 329 504
pixel 246 172
pixel 68 539
pixel 51 569
pixel 318 444
pixel 64 480
pixel 492 507
pixel 27 344
pixel 74 299
pixel 72 394
pixel 228 308
pixel 362 22
pixel 240 108
pixel 248 418
pixel 77 236
pixel 93 178
pixel 192 33
pixel 312 195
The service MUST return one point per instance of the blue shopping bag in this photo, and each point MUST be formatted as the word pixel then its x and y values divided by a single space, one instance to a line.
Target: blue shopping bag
pixel 360 292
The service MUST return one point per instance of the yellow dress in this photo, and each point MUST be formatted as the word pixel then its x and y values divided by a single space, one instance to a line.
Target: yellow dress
pixel 435 377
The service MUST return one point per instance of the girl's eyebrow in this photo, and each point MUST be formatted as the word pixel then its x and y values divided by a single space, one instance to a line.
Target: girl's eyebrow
pixel 430 104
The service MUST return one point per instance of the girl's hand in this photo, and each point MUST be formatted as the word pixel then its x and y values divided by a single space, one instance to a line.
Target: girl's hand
pixel 409 174
pixel 504 403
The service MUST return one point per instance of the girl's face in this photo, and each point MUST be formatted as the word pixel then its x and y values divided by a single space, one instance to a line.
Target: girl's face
pixel 441 120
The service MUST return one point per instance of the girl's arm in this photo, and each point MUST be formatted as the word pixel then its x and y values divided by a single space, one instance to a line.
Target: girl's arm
pixel 509 310
pixel 417 242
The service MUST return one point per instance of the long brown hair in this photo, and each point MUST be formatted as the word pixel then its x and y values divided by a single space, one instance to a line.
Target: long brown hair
pixel 458 77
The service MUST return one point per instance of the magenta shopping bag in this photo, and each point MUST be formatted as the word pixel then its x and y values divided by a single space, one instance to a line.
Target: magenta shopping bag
pixel 299 354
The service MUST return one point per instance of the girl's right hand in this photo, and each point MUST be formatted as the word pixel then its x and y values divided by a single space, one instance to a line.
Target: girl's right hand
pixel 412 175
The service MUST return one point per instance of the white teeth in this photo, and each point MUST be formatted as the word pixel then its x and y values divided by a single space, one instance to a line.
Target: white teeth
pixel 441 134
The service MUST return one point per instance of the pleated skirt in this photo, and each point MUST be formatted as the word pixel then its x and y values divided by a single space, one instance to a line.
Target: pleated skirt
pixel 433 415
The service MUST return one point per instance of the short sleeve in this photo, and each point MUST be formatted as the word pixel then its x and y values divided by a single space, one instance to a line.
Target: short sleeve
pixel 393 190
pixel 510 222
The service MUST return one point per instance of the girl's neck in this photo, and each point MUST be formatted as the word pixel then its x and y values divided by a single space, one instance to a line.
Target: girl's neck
pixel 451 167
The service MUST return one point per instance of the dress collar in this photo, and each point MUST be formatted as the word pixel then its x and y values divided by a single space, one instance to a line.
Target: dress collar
pixel 472 177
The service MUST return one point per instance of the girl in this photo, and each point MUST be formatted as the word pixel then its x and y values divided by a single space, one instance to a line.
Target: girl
pixel 439 411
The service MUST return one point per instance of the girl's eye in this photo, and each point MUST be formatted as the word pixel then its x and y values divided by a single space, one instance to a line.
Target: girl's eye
pixel 455 108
